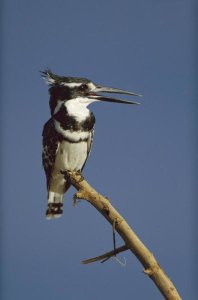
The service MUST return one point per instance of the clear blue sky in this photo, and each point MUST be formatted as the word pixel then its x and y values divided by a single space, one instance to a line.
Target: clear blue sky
pixel 142 157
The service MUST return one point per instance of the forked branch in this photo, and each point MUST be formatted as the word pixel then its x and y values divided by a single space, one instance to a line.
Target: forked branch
pixel 106 255
pixel 132 242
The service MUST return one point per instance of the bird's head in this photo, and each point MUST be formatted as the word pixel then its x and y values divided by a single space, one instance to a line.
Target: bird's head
pixel 80 90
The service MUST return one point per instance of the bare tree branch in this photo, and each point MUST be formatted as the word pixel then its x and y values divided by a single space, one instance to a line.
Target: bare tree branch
pixel 106 255
pixel 146 258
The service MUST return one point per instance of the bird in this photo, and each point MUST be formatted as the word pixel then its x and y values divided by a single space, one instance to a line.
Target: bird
pixel 68 134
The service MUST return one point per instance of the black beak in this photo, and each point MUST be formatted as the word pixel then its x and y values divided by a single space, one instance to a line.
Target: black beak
pixel 104 89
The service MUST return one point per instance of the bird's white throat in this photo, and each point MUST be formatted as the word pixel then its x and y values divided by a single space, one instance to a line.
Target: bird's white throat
pixel 77 108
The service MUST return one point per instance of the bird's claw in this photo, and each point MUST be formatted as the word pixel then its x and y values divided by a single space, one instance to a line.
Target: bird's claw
pixel 81 176
pixel 66 174
pixel 76 200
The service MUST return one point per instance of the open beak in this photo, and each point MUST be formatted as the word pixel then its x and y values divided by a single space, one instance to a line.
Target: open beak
pixel 93 94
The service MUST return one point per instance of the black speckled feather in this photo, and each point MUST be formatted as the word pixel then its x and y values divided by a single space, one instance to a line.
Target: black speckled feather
pixel 51 141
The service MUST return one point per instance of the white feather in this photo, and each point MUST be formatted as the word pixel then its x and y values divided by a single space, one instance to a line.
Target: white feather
pixel 78 107
pixel 70 84
pixel 54 197
pixel 71 156
pixel 58 106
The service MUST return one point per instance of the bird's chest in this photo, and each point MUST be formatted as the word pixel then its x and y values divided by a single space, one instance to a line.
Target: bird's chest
pixel 71 156
pixel 74 118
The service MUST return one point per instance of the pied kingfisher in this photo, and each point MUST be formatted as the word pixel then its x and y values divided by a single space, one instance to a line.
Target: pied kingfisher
pixel 68 134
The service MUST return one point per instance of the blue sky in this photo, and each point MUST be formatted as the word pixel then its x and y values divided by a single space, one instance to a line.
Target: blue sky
pixel 142 157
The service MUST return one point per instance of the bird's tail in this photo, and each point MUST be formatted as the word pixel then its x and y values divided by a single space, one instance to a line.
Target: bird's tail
pixel 55 205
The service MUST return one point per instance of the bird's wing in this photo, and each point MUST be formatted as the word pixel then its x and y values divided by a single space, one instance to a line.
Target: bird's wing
pixel 89 145
pixel 50 147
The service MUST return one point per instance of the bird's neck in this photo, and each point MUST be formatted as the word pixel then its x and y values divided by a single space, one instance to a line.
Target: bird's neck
pixel 74 116
pixel 77 109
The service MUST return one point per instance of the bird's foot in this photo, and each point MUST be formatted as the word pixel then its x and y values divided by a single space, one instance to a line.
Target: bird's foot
pixel 67 177
pixel 76 199
pixel 81 176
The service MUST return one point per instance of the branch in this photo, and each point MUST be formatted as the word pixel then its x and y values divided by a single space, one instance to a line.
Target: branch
pixel 146 258
pixel 106 255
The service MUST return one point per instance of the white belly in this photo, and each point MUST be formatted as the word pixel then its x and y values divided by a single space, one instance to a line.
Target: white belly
pixel 71 156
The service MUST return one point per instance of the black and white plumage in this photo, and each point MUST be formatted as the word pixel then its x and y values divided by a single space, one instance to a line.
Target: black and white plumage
pixel 68 134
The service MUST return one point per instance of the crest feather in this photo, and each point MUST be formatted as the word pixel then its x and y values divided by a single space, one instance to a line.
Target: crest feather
pixel 48 76
pixel 53 79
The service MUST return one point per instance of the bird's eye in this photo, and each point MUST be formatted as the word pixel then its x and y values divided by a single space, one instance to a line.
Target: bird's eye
pixel 83 87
